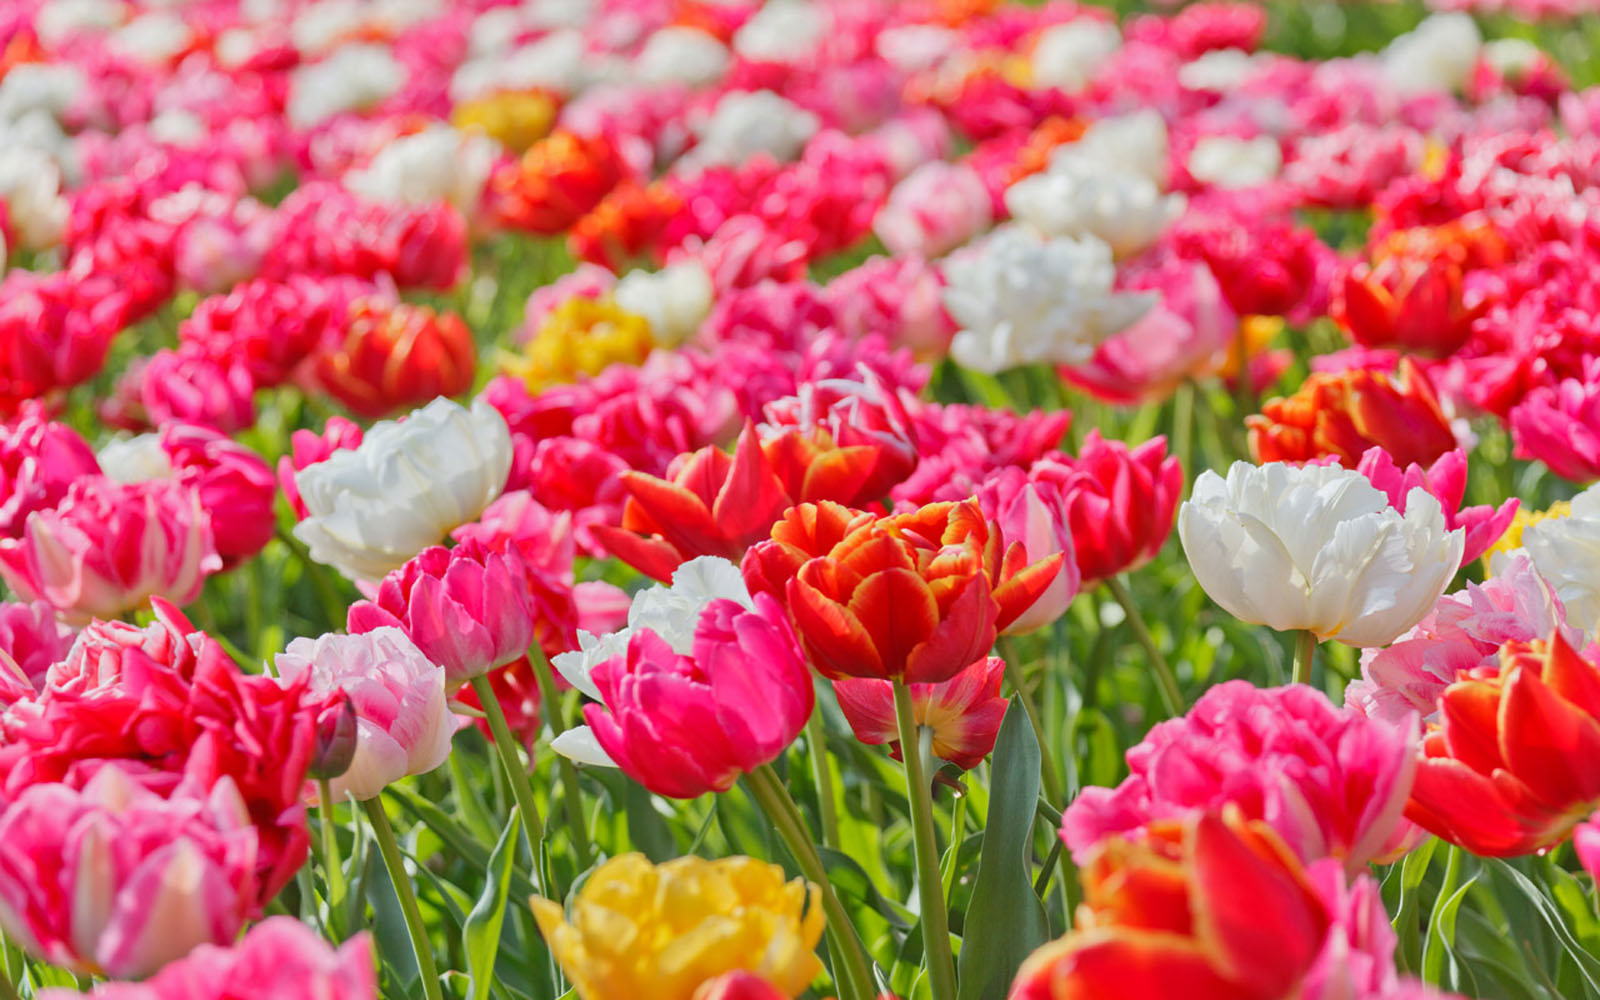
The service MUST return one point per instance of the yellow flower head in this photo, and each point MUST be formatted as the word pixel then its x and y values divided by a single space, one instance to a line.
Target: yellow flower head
pixel 660 931
pixel 581 336
pixel 1512 539
pixel 1256 335
pixel 516 119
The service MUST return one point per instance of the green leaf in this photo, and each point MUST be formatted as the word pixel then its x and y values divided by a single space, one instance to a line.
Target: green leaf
pixel 1407 922
pixel 1587 966
pixel 1006 921
pixel 481 936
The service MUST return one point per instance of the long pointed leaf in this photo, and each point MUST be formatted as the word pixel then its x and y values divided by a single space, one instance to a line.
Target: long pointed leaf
pixel 481 936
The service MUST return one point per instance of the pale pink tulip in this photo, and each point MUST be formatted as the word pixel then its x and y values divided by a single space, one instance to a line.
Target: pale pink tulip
pixel 935 209
pixel 403 722
pixel 1033 514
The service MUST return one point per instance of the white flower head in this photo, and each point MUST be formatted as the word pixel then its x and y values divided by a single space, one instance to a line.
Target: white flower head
pixel 1437 56
pixel 437 164
pixel 1069 55
pixel 47 87
pixel 152 38
pixel 674 300
pixel 1317 547
pixel 30 188
pixel 1136 142
pixel 1566 552
pixel 136 459
pixel 1021 300
pixel 679 54
pixel 781 31
pixel 353 78
pixel 1086 196
pixel 1225 161
pixel 409 483
pixel 745 123
pixel 1220 69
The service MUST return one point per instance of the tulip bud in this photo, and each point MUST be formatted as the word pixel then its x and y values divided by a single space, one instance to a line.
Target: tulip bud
pixel 336 738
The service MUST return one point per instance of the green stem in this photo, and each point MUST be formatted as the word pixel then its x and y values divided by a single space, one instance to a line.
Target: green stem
pixel 853 972
pixel 1166 682
pixel 935 921
pixel 569 771
pixel 390 849
pixel 1047 769
pixel 822 774
pixel 333 865
pixel 1183 429
pixel 327 592
pixel 7 990
pixel 516 775
pixel 1305 648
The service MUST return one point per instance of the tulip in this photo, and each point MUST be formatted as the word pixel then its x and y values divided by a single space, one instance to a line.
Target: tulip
pixel 1330 782
pixel 1560 425
pixel 39 462
pixel 839 439
pixel 1031 517
pixel 1565 547
pixel 280 957
pixel 1586 840
pixel 308 448
pixel 558 180
pixel 805 531
pixel 1506 769
pixel 674 301
pixel 234 483
pixel 683 726
pixel 34 639
pixel 933 210
pixel 108 548
pixel 663 931
pixel 106 651
pixel 1085 195
pixel 1317 548
pixel 1343 415
pixel 964 712
pixel 1119 502
pixel 1412 296
pixel 515 119
pixel 183 386
pixel 403 725
pixel 739 985
pixel 712 505
pixel 391 356
pixel 895 599
pixel 466 608
pixel 404 487
pixel 1462 632
pixel 1446 481
pixel 581 336
pixel 115 880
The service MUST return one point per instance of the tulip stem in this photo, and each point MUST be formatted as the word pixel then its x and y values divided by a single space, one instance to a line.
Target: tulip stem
pixel 1305 647
pixel 506 746
pixel 333 865
pixel 852 971
pixel 569 772
pixel 390 849
pixel 327 592
pixel 1166 681
pixel 930 890
pixel 8 991
pixel 822 774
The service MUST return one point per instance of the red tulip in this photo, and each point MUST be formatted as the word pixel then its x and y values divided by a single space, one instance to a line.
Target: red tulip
pixel 395 356
pixel 806 531
pixel 963 712
pixel 1411 296
pixel 1345 414
pixel 1509 769
pixel 1119 502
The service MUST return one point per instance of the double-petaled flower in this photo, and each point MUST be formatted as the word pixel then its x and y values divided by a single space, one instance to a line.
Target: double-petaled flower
pixel 1345 414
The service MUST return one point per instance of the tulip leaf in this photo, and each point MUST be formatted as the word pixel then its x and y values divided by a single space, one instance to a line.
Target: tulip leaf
pixel 1587 966
pixel 1407 926
pixel 389 927
pixel 1006 921
pixel 481 935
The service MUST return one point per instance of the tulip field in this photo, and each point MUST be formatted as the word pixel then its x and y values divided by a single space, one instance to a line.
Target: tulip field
pixel 799 500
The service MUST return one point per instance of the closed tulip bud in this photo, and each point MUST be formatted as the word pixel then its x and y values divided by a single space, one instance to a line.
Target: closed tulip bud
pixel 663 931
pixel 1118 500
pixel 964 712
pixel 1345 414
pixel 336 739
pixel 404 487
pixel 1317 548
pixel 466 608
pixel 1031 519
pixel 1506 770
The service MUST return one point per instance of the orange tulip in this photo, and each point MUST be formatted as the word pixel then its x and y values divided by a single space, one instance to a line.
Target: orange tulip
pixel 557 181
pixel 1216 904
pixel 623 225
pixel 1411 295
pixel 805 531
pixel 1509 768
pixel 396 356
pixel 1345 414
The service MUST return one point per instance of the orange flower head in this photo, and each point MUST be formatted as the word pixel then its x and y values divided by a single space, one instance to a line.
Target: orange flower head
pixel 557 181
pixel 1412 294
pixel 1509 767
pixel 1344 414
pixel 1216 903
pixel 804 532
pixel 395 356
pixel 623 225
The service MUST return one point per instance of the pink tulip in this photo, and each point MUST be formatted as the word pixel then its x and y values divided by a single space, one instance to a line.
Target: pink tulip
pixel 682 726
pixel 108 548
pixel 1560 425
pixel 1033 515
pixel 102 652
pixel 1120 502
pixel 465 608
pixel 936 208
pixel 33 638
pixel 544 537
pixel 1464 631
pixel 278 959
pixel 1446 480
pixel 964 712
pixel 900 298
pixel 739 985
pixel 183 385
pixel 1332 782
pixel 1586 838
pixel 308 448
pixel 115 880
pixel 39 461
pixel 403 724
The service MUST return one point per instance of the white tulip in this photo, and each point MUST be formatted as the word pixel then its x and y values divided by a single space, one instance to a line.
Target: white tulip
pixel 1068 55
pixel 782 31
pixel 1082 196
pixel 1566 552
pixel 30 188
pixel 1317 547
pixel 409 483
pixel 745 123
pixel 436 164
pixel 1021 300
pixel 152 38
pixel 50 88
pixel 1437 56
pixel 353 78
pixel 1227 162
pixel 1134 142
pixel 674 300
pixel 671 613
pixel 1220 70
pixel 137 459
pixel 677 54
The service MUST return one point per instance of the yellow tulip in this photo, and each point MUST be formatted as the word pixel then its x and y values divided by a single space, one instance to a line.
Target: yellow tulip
pixel 581 336
pixel 516 119
pixel 1512 539
pixel 660 931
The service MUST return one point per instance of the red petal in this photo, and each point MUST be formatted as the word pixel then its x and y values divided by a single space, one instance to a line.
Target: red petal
pixel 1550 745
